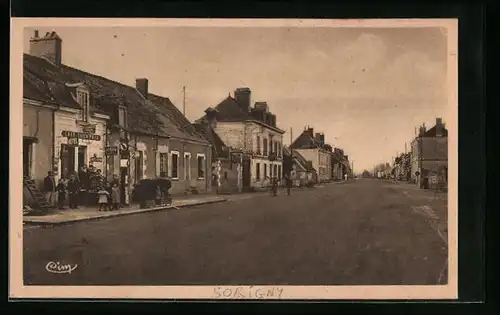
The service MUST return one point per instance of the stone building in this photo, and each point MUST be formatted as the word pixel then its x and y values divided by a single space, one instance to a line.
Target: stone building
pixel 313 148
pixel 251 134
pixel 429 156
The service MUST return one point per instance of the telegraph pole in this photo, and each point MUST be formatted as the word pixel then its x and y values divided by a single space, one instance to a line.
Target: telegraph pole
pixel 184 100
pixel 291 137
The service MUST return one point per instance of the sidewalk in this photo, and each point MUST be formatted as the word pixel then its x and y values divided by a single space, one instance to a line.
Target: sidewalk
pixel 91 213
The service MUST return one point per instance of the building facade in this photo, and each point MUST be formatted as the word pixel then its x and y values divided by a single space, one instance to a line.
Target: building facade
pixel 121 130
pixel 251 134
pixel 313 148
pixel 429 156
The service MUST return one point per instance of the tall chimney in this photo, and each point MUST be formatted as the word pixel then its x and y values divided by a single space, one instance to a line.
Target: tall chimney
pixel 422 130
pixel 310 131
pixel 48 47
pixel 322 138
pixel 142 86
pixel 317 137
pixel 242 97
pixel 439 127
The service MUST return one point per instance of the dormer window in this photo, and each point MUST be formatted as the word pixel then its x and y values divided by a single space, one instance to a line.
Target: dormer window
pixel 83 98
pixel 122 116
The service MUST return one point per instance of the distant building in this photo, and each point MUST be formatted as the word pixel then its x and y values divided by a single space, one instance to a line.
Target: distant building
pixel 251 133
pixel 313 148
pixel 429 156
pixel 301 171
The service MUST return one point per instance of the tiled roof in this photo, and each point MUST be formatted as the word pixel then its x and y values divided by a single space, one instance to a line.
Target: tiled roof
pixel 302 160
pixel 305 141
pixel 229 110
pixel 432 132
pixel 154 115
pixel 219 149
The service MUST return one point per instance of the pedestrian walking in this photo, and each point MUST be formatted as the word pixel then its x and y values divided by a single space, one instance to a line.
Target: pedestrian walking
pixel 61 191
pixel 110 191
pixel 115 196
pixel 49 187
pixel 103 199
pixel 274 185
pixel 73 190
pixel 288 183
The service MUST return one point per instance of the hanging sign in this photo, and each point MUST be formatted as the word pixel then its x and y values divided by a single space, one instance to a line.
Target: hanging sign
pixel 123 146
pixel 80 135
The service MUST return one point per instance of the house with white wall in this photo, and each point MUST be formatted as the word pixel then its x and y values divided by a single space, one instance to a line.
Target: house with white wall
pixel 252 135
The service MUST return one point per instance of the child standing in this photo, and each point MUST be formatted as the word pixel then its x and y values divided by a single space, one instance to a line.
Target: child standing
pixel 103 199
pixel 115 196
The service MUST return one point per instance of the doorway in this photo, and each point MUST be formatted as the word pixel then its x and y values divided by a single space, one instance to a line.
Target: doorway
pixel 67 160
pixel 82 156
pixel 27 157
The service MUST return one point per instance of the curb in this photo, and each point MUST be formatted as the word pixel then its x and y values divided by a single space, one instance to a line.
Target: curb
pixel 115 215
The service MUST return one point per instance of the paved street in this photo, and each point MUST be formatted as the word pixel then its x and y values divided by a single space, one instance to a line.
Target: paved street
pixel 365 232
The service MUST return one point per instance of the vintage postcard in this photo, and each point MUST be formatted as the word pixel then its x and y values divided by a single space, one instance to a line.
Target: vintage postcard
pixel 233 159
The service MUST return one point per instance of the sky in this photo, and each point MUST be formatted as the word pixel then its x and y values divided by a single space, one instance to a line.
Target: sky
pixel 366 89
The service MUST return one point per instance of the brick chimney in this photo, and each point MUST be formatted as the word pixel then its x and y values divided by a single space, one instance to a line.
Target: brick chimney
pixel 422 130
pixel 48 47
pixel 211 114
pixel 309 131
pixel 317 137
pixel 142 86
pixel 243 98
pixel 439 127
pixel 322 138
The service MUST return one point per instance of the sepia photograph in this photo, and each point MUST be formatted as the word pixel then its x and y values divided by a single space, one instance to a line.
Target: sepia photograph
pixel 234 159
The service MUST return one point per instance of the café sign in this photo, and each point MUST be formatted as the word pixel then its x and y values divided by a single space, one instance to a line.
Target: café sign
pixel 80 135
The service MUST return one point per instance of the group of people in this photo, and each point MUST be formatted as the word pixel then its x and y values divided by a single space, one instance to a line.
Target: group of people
pixel 109 197
pixel 86 180
pixel 275 184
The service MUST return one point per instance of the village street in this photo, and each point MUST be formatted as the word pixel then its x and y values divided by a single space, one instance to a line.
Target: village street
pixel 363 231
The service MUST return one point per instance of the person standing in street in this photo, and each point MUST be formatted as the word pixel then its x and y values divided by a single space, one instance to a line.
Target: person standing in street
pixel 73 190
pixel 115 196
pixel 103 196
pixel 61 191
pixel 288 183
pixel 49 186
pixel 274 183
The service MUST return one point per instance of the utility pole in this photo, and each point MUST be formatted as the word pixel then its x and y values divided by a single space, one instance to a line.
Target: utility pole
pixel 291 137
pixel 184 100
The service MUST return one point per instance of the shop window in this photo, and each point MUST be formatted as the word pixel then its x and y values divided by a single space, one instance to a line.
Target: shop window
pixel 163 164
pixel 201 166
pixel 175 165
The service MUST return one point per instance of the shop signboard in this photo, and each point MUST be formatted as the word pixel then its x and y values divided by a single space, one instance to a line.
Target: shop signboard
pixel 80 135
pixel 95 159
